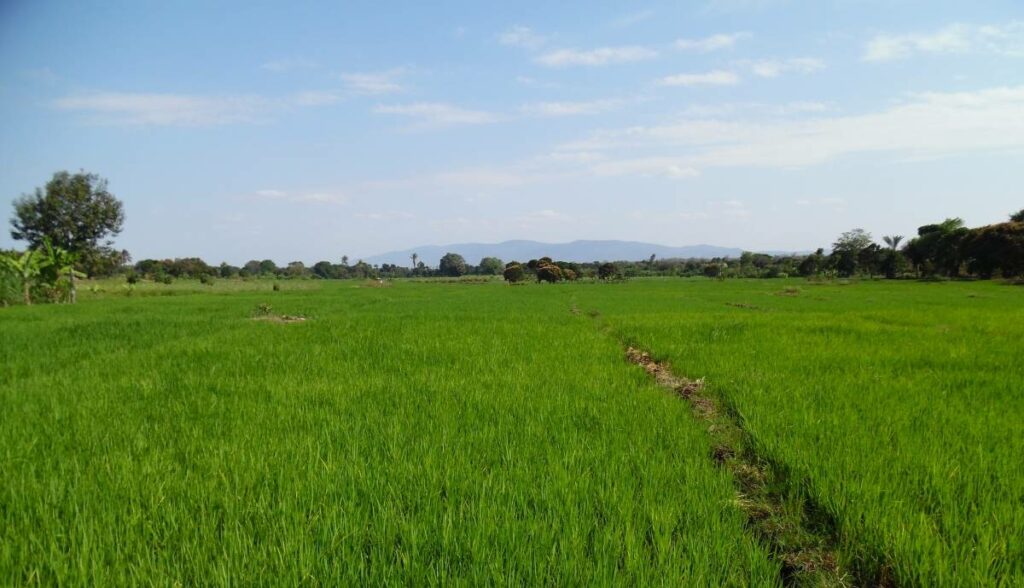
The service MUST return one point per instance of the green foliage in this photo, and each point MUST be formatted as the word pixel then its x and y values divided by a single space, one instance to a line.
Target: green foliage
pixel 491 266
pixel 608 271
pixel 996 248
pixel 1017 217
pixel 207 279
pixel 73 212
pixel 452 265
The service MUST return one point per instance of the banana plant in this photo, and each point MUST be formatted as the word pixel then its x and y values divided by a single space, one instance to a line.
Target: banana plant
pixel 60 263
pixel 26 268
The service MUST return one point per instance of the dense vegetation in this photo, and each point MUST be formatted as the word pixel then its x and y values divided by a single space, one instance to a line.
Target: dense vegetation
pixel 420 433
pixel 434 432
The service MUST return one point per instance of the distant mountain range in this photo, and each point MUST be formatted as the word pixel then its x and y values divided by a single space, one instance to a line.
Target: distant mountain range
pixel 578 251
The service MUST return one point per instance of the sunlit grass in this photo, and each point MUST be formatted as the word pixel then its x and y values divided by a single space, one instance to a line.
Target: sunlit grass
pixel 412 434
pixel 898 405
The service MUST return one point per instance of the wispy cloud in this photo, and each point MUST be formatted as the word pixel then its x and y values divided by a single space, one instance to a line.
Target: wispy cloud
pixel 301 197
pixel 632 18
pixel 524 37
pixel 923 126
pixel 286 65
pixel 150 109
pixel 165 109
pixel 958 38
pixel 42 74
pixel 721 109
pixel 711 78
pixel 712 43
pixel 373 83
pixel 773 68
pixel 555 109
pixel 430 115
pixel 596 57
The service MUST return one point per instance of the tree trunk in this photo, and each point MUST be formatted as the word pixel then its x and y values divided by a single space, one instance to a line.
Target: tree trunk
pixel 25 291
pixel 72 294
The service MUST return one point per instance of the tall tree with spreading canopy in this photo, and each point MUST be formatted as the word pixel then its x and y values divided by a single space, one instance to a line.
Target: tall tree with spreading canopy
pixel 452 265
pixel 74 212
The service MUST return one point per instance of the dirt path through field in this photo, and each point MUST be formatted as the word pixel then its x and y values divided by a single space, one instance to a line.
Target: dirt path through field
pixel 798 532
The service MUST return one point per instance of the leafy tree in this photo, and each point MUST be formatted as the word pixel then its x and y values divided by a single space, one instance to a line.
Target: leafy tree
pixel 253 267
pixel 936 249
pixel 713 270
pixel 296 269
pixel 607 271
pixel 491 266
pixel 226 271
pixel 549 273
pixel 452 265
pixel 846 251
pixel 812 264
pixel 268 267
pixel 995 248
pixel 74 212
pixel 1017 217
pixel 514 273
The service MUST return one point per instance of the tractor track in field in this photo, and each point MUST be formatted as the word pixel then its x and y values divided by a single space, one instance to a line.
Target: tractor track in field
pixel 799 533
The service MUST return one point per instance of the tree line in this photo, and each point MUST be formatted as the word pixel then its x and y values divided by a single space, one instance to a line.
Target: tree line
pixel 68 226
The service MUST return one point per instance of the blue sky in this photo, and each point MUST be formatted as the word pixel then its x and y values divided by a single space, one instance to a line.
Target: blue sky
pixel 308 131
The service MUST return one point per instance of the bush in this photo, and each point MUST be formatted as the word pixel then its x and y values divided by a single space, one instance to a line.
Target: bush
pixel 549 273
pixel 132 278
pixel 514 274
pixel 277 287
pixel 167 279
pixel 607 271
pixel 207 279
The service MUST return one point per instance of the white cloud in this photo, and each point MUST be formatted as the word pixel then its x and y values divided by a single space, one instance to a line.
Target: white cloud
pixel 958 38
pixel 773 68
pixel 632 18
pixel 755 108
pixel 373 83
pixel 302 198
pixel 524 37
pixel 384 216
pixel 555 109
pixel 712 43
pixel 711 78
pixel 923 126
pixel 165 109
pixel 286 65
pixel 436 115
pixel 596 57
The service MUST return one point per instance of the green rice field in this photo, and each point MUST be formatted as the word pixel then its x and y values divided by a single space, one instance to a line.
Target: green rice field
pixel 436 433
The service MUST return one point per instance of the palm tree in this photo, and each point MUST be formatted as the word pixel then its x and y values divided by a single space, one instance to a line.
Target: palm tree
pixel 414 257
pixel 893 241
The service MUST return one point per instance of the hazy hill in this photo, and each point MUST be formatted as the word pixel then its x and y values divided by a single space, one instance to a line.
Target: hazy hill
pixel 574 251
